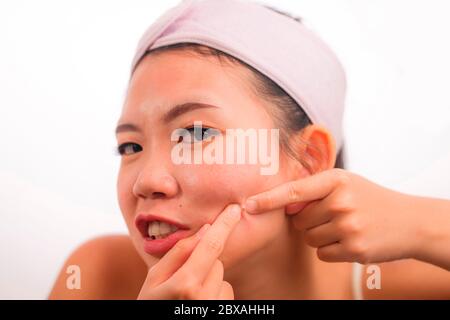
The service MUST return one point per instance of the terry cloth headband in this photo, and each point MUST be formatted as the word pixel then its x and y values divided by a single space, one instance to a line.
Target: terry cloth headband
pixel 279 47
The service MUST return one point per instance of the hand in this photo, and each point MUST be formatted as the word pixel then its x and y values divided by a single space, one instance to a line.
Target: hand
pixel 191 270
pixel 347 217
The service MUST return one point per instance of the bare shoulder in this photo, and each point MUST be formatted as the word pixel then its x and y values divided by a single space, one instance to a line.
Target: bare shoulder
pixel 108 267
pixel 409 279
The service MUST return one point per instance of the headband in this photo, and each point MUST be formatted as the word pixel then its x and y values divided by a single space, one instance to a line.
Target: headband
pixel 278 46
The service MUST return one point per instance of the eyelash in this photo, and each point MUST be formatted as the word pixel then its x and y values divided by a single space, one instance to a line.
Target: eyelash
pixel 121 149
pixel 204 129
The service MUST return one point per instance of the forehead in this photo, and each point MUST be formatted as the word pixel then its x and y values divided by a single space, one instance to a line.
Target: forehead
pixel 171 77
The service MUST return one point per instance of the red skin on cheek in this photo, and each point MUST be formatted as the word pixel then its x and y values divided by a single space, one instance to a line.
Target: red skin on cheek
pixel 219 185
pixel 207 189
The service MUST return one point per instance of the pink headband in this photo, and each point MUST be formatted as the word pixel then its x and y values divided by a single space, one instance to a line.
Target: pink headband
pixel 278 46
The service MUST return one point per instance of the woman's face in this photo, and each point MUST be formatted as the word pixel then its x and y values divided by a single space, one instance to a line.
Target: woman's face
pixel 150 182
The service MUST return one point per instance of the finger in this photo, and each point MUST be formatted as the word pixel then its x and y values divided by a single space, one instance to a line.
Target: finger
pixel 211 245
pixel 313 215
pixel 226 291
pixel 162 292
pixel 174 258
pixel 333 207
pixel 213 283
pixel 323 235
pixel 311 188
pixel 295 207
pixel 332 253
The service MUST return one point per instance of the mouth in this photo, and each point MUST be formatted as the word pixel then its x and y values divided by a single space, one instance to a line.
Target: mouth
pixel 160 234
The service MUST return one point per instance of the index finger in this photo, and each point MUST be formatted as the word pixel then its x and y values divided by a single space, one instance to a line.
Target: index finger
pixel 174 259
pixel 212 243
pixel 311 188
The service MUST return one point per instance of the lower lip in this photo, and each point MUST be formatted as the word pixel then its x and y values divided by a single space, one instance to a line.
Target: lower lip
pixel 161 246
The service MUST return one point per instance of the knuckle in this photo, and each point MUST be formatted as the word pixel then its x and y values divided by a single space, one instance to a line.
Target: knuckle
pixel 344 202
pixel 293 192
pixel 267 200
pixel 358 250
pixel 342 177
pixel 349 225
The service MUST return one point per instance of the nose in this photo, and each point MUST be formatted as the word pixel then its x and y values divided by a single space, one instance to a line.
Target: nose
pixel 154 183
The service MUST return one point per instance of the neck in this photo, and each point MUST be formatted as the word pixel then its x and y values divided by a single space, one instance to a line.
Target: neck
pixel 285 269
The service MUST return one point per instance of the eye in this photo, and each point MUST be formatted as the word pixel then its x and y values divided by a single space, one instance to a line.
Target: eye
pixel 128 148
pixel 198 134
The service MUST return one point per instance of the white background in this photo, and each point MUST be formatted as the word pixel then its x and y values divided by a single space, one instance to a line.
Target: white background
pixel 63 73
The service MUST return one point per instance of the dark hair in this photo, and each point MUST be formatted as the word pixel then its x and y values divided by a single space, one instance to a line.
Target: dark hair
pixel 287 113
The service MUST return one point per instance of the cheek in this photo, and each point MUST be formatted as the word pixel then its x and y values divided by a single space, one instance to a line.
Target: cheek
pixel 208 189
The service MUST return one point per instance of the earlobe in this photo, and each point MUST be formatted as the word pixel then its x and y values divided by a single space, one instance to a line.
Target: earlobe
pixel 320 148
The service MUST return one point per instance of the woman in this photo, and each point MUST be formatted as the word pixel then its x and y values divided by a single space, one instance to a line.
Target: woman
pixel 194 232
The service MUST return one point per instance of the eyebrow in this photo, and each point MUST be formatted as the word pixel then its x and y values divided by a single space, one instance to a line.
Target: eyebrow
pixel 127 127
pixel 184 108
pixel 169 116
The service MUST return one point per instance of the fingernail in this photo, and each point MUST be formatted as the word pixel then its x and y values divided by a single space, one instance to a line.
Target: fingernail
pixel 203 230
pixel 251 205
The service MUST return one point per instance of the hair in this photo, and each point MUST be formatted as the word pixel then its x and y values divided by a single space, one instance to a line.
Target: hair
pixel 287 114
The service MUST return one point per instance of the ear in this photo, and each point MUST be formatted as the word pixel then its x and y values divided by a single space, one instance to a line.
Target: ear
pixel 318 148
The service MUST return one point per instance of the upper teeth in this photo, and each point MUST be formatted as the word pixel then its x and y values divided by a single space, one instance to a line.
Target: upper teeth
pixel 156 228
